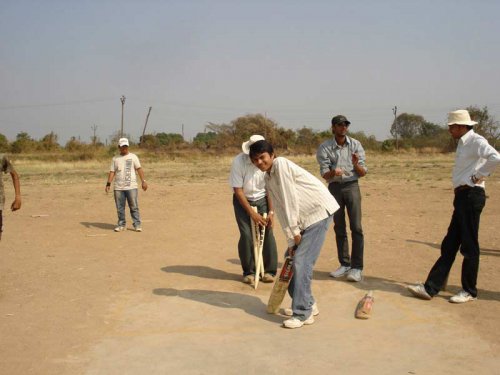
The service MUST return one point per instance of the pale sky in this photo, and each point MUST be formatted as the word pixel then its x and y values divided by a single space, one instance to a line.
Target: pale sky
pixel 65 64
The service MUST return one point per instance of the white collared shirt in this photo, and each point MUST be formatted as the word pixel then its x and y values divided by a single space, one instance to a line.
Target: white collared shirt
pixel 247 176
pixel 299 199
pixel 474 157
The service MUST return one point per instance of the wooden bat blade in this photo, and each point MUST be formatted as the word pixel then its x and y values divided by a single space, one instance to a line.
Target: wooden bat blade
pixel 280 286
pixel 255 240
pixel 259 268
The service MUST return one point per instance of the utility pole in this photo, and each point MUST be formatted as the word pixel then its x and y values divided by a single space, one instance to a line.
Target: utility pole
pixel 395 111
pixel 94 137
pixel 145 124
pixel 182 131
pixel 122 99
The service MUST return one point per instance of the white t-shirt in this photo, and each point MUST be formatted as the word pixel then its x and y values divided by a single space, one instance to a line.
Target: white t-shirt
pixel 124 168
pixel 247 176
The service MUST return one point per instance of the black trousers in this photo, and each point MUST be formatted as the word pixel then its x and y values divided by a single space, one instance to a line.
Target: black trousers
pixel 462 234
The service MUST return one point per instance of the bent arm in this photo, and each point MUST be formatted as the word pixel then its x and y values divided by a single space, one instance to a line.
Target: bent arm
pixel 492 157
pixel 240 196
pixel 326 169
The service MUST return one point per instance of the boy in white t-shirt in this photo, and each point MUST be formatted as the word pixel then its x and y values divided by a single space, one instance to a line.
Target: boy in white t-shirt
pixel 122 169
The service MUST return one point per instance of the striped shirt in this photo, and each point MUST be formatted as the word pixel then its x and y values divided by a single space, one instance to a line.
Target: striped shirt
pixel 299 198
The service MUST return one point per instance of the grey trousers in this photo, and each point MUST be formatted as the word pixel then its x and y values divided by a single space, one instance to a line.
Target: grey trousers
pixel 348 197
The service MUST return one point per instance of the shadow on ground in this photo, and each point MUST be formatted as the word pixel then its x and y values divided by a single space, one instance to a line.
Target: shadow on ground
pixel 202 271
pixel 394 286
pixel 492 252
pixel 227 300
pixel 106 226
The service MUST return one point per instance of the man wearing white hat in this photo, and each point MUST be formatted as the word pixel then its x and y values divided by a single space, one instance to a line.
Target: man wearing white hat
pixel 123 168
pixel 248 185
pixel 475 159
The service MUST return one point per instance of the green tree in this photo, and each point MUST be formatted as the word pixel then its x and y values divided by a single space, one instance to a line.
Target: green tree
pixel 74 145
pixel 487 125
pixel 205 140
pixel 429 129
pixel 23 143
pixel 169 139
pixel 49 142
pixel 149 141
pixel 407 125
pixel 4 143
pixel 241 128
pixel 307 140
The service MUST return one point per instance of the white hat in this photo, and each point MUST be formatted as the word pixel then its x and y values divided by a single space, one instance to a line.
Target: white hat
pixel 246 145
pixel 123 142
pixel 460 117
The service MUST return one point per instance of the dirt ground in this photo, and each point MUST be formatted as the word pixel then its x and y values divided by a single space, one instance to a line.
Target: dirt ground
pixel 77 298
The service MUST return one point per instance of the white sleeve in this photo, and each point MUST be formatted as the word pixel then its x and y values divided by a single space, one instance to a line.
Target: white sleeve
pixel 137 163
pixel 491 157
pixel 112 166
pixel 236 174
pixel 289 197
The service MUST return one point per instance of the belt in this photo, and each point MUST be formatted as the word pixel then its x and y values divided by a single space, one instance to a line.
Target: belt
pixel 343 182
pixel 462 188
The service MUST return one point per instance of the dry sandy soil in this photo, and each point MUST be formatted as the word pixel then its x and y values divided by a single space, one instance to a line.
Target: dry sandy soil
pixel 77 298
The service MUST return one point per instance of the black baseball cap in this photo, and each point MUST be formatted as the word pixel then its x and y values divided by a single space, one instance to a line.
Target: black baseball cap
pixel 339 120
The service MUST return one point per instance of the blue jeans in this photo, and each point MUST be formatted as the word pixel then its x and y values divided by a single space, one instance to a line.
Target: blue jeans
pixel 303 262
pixel 131 197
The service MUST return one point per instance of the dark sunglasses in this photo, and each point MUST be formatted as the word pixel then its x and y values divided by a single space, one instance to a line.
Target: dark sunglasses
pixel 343 124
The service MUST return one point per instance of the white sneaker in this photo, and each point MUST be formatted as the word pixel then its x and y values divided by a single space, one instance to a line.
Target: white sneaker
pixel 419 291
pixel 119 229
pixel 339 272
pixel 355 275
pixel 462 297
pixel 297 323
pixel 138 229
pixel 314 309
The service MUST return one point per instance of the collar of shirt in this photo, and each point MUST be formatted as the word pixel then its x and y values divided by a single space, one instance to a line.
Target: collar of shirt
pixel 466 137
pixel 347 142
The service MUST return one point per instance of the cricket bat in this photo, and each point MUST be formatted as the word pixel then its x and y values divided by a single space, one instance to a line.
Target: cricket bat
pixel 259 264
pixel 364 308
pixel 281 284
pixel 255 241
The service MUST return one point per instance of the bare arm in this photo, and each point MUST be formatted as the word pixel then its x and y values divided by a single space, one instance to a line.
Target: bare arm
pixel 141 175
pixel 238 192
pixel 16 205
pixel 111 175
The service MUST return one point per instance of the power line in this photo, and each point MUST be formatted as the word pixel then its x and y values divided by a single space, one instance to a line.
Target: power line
pixel 54 104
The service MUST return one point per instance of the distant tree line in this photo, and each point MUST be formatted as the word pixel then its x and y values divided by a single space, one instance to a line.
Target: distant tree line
pixel 411 131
